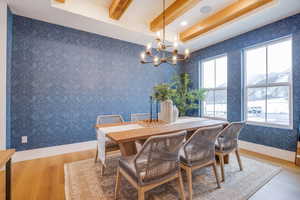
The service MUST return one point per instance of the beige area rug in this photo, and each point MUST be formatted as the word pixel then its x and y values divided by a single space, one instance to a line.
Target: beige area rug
pixel 83 182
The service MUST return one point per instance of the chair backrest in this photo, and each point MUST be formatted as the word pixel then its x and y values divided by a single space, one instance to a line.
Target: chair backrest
pixel 109 119
pixel 228 139
pixel 201 145
pixel 139 116
pixel 159 157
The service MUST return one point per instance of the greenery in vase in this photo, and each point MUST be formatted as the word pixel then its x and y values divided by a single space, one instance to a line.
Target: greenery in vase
pixel 162 92
pixel 181 93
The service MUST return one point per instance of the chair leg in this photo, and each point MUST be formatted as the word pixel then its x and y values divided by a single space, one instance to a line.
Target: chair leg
pixel 180 184
pixel 237 153
pixel 118 182
pixel 190 182
pixel 221 158
pixel 102 169
pixel 96 158
pixel 216 174
pixel 141 194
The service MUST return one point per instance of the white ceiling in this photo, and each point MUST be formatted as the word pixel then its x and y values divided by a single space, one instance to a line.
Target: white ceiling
pixel 92 16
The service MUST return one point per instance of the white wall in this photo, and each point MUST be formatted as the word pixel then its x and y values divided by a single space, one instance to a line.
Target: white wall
pixel 3 43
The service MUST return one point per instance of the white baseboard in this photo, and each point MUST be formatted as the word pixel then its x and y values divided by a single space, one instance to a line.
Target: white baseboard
pixel 83 146
pixel 269 151
pixel 53 151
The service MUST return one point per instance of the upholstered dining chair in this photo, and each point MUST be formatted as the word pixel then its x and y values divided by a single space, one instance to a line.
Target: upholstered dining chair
pixel 199 152
pixel 227 143
pixel 155 164
pixel 101 139
pixel 139 116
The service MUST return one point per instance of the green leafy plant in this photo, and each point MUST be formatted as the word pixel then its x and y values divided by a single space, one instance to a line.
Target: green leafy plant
pixel 184 97
pixel 162 92
pixel 181 93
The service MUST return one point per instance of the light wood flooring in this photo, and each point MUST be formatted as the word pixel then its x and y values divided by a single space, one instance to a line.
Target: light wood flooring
pixel 43 179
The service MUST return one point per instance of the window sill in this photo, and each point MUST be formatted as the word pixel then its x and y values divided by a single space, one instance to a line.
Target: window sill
pixel 215 118
pixel 269 125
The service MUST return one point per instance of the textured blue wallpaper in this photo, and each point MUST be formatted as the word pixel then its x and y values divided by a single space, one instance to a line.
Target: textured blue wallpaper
pixel 8 76
pixel 63 78
pixel 279 138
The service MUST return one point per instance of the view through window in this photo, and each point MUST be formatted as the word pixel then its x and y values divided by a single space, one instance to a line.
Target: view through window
pixel 214 80
pixel 268 83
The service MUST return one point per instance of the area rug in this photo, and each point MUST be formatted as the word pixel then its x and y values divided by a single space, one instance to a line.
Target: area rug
pixel 83 182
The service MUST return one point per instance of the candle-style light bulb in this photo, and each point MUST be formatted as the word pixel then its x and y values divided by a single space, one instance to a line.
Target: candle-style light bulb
pixel 143 56
pixel 149 46
pixel 174 59
pixel 187 53
pixel 156 61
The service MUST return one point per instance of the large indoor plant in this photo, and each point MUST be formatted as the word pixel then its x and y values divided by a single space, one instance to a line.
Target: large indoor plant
pixel 181 93
pixel 183 96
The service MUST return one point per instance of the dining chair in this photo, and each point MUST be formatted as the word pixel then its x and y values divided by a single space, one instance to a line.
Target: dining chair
pixel 155 164
pixel 139 116
pixel 198 152
pixel 109 144
pixel 227 143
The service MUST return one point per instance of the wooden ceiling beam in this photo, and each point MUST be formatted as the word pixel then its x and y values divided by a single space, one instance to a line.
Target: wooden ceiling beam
pixel 117 8
pixel 175 10
pixel 229 13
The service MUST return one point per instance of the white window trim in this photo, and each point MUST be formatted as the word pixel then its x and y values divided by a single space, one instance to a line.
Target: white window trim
pixel 288 84
pixel 212 89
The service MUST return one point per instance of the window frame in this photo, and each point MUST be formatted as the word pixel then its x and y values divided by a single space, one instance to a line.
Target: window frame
pixel 201 84
pixel 288 84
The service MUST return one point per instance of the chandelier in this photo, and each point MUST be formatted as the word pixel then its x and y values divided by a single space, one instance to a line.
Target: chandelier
pixel 163 51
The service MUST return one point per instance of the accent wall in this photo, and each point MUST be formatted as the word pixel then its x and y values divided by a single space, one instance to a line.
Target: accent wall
pixel 62 78
pixel 275 137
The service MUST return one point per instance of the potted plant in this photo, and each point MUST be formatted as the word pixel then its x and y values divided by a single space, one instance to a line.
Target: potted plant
pixel 183 96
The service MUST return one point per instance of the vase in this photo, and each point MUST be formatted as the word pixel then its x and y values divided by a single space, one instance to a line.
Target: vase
pixel 166 111
pixel 175 114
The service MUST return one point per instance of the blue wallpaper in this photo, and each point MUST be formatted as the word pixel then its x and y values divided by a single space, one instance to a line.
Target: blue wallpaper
pixel 63 78
pixel 275 137
pixel 8 76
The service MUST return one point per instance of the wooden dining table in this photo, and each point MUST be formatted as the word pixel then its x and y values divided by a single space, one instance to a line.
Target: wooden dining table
pixel 127 138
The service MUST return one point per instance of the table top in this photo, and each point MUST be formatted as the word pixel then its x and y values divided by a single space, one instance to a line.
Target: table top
pixel 5 155
pixel 146 132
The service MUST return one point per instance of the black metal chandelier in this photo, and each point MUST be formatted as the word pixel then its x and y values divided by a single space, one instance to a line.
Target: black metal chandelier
pixel 163 51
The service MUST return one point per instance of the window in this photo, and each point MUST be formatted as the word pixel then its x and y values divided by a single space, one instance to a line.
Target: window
pixel 214 80
pixel 268 88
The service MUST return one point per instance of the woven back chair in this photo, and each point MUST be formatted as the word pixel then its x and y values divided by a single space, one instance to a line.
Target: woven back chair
pixel 155 164
pixel 158 157
pixel 228 139
pixel 227 142
pixel 104 144
pixel 109 119
pixel 199 152
pixel 139 116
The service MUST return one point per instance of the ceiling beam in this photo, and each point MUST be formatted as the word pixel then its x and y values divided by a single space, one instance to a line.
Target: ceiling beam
pixel 117 8
pixel 60 1
pixel 175 10
pixel 229 13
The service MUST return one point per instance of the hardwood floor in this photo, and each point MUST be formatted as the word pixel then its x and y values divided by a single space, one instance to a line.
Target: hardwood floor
pixel 43 179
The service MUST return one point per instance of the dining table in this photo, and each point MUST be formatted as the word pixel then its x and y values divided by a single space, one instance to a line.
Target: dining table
pixel 125 134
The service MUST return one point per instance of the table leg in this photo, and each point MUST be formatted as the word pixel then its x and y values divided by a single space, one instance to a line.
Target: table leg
pixel 8 180
pixel 128 148
pixel 226 159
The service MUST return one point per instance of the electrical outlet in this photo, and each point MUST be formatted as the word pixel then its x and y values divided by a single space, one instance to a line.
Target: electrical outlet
pixel 24 139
